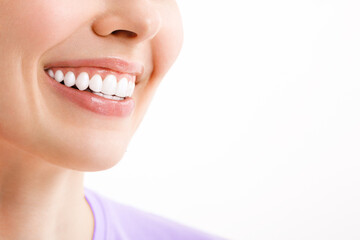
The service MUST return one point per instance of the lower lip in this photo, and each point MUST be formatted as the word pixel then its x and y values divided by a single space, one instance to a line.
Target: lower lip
pixel 94 103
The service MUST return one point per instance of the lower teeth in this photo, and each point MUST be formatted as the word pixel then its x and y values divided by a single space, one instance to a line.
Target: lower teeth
pixel 113 97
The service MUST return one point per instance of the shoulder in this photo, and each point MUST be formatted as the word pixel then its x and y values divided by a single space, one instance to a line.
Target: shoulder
pixel 132 223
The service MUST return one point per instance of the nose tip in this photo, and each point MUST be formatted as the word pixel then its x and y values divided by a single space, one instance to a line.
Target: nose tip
pixel 135 21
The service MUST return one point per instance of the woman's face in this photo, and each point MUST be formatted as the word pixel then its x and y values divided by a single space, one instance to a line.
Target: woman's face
pixel 117 41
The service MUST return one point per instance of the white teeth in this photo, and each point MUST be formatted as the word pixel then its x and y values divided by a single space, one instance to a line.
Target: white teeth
pixel 51 73
pixel 107 88
pixel 82 81
pixel 99 94
pixel 109 85
pixel 122 87
pixel 69 79
pixel 131 88
pixel 107 96
pixel 59 76
pixel 95 83
pixel 117 98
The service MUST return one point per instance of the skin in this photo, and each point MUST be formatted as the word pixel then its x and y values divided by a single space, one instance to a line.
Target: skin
pixel 47 143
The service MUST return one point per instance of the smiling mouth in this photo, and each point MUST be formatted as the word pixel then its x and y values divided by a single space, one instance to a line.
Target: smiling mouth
pixel 103 86
pixel 102 82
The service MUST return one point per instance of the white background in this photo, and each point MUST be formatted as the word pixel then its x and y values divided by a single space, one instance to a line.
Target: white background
pixel 254 133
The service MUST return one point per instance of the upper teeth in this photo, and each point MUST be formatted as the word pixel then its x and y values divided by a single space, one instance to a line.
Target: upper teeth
pixel 109 86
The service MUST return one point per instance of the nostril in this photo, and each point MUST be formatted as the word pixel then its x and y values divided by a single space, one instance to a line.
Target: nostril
pixel 124 33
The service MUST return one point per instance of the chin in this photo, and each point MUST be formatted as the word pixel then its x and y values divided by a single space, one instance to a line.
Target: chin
pixel 89 161
pixel 90 156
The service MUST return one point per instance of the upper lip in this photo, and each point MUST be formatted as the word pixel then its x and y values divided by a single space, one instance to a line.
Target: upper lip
pixel 113 63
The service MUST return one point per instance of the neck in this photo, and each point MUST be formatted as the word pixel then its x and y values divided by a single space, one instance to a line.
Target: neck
pixel 41 199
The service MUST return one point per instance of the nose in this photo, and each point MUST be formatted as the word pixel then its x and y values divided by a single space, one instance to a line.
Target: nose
pixel 134 20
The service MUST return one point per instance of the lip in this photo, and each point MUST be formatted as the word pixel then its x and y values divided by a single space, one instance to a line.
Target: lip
pixel 92 102
pixel 112 63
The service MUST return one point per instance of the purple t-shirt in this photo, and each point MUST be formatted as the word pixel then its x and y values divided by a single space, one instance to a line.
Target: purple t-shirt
pixel 115 221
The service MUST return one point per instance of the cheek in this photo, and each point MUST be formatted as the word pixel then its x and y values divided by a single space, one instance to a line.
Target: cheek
pixel 168 42
pixel 165 49
pixel 40 24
